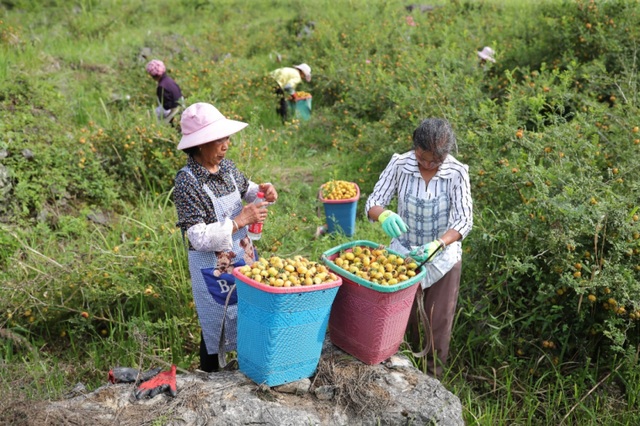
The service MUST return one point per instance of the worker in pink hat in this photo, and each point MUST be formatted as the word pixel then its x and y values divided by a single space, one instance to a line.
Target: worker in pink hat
pixel 209 194
pixel 486 54
pixel 169 95
pixel 287 79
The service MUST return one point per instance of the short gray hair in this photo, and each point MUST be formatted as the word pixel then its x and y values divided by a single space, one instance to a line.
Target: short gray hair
pixel 434 135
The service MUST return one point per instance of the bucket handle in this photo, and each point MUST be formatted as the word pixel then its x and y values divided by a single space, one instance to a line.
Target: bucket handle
pixel 422 316
pixel 222 347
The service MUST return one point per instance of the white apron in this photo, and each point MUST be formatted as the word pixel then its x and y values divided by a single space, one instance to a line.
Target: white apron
pixel 210 283
pixel 427 220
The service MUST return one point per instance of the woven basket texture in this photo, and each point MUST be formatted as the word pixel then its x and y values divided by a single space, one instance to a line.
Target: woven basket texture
pixel 369 324
pixel 280 335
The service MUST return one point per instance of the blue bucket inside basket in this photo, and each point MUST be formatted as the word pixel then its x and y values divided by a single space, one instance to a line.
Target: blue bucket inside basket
pixel 341 217
pixel 280 335
pixel 341 214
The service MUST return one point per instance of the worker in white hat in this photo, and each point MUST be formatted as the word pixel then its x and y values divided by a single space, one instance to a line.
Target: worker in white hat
pixel 485 55
pixel 287 79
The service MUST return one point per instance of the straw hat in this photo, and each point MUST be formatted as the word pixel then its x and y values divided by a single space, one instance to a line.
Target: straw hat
pixel 306 70
pixel 202 123
pixel 487 54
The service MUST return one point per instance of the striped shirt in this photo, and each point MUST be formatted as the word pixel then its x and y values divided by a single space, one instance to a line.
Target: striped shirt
pixel 396 180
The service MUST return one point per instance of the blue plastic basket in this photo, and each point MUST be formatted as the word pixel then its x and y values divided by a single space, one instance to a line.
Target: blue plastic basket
pixel 341 214
pixel 281 329
pixel 300 108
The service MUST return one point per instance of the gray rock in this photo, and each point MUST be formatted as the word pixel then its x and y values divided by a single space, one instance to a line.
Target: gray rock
pixel 145 54
pixel 396 380
pixel 421 7
pixel 298 387
pixel 98 217
pixel 42 216
pixel 230 398
pixel 26 153
pixel 3 153
pixel 78 389
pixel 325 392
pixel 5 181
pixel 398 361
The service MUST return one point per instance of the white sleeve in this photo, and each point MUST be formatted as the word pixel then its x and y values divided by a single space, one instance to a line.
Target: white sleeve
pixel 213 237
pixel 252 191
pixel 385 189
pixel 461 214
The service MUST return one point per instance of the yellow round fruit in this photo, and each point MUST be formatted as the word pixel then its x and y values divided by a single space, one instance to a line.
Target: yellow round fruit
pixel 381 268
pixel 339 190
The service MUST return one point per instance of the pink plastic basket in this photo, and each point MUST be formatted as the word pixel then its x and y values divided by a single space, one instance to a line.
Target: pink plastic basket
pixel 367 323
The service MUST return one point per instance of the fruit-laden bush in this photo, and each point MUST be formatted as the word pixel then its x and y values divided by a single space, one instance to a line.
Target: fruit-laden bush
pixel 554 256
pixel 549 133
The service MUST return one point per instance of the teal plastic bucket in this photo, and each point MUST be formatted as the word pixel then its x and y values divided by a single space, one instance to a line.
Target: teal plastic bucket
pixel 300 108
pixel 341 214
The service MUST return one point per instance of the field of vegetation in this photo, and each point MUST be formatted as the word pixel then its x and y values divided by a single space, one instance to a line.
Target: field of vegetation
pixel 93 273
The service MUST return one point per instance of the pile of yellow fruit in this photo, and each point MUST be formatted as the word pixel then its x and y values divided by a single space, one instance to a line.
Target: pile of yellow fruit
pixel 376 266
pixel 295 272
pixel 339 190
pixel 300 95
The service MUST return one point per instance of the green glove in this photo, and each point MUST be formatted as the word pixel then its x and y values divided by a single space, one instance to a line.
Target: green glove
pixel 422 253
pixel 392 224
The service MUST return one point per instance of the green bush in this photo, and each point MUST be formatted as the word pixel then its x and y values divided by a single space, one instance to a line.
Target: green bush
pixel 549 134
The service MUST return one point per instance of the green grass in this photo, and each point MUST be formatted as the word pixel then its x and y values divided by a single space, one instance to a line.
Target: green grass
pixel 64 67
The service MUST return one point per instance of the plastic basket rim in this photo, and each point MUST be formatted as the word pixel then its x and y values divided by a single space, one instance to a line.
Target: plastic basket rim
pixel 286 290
pixel 357 280
pixel 348 200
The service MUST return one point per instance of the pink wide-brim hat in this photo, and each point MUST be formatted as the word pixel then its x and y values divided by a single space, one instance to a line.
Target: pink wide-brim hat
pixel 156 68
pixel 202 123
pixel 306 70
pixel 487 54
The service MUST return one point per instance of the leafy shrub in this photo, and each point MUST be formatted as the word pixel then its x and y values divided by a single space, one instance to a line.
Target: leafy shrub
pixel 549 133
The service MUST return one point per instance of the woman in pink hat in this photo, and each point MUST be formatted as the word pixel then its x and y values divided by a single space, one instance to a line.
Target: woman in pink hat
pixel 287 79
pixel 208 195
pixel 170 98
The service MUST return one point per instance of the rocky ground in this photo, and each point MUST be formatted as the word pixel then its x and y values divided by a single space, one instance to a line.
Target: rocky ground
pixel 343 391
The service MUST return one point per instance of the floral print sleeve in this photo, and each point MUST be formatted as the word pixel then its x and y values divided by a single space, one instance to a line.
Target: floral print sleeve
pixel 189 202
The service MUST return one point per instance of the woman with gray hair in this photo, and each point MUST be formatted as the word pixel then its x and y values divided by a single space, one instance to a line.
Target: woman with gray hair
pixel 434 215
